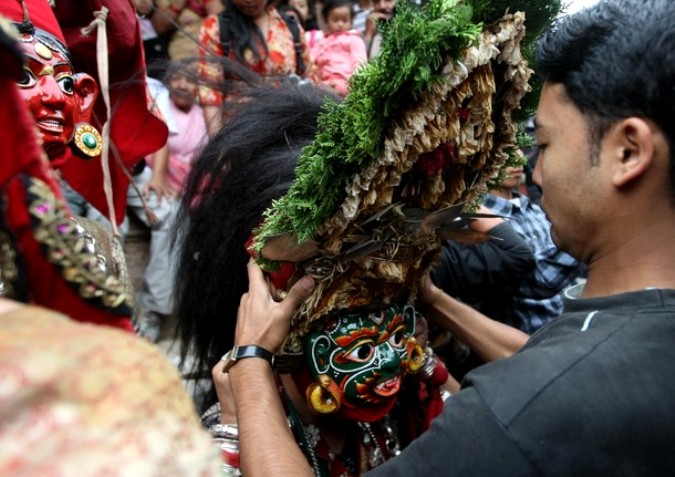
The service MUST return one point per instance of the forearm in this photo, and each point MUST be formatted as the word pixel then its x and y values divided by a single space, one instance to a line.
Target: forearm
pixel 266 442
pixel 160 162
pixel 488 338
pixel 451 385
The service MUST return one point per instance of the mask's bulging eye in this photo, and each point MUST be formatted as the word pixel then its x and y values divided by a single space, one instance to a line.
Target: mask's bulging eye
pixel 67 84
pixel 362 352
pixel 27 79
pixel 397 339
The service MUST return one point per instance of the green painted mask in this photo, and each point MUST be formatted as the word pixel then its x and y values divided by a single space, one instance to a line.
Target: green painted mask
pixel 358 361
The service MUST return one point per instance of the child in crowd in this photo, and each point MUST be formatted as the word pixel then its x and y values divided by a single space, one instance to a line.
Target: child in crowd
pixel 338 54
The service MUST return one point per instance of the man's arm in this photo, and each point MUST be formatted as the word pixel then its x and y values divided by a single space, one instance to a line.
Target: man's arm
pixel 473 272
pixel 267 446
pixel 488 338
pixel 159 183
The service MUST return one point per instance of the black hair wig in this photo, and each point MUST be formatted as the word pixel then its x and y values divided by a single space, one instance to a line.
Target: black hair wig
pixel 246 166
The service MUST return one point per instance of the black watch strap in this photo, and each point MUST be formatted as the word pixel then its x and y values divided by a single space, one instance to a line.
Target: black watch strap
pixel 247 351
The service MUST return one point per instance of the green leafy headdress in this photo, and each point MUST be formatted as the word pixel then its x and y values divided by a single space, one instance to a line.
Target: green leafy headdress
pixel 411 147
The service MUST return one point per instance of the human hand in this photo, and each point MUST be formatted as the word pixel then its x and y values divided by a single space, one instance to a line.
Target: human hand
pixel 485 224
pixel 160 186
pixel 228 410
pixel 428 292
pixel 371 22
pixel 262 321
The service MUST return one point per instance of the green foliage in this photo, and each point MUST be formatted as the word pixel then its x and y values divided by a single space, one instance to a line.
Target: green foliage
pixel 524 140
pixel 351 134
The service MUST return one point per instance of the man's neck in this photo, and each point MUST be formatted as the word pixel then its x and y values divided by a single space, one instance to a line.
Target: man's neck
pixel 645 261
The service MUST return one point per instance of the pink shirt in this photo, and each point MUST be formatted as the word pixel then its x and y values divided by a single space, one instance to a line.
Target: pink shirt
pixel 184 144
pixel 336 57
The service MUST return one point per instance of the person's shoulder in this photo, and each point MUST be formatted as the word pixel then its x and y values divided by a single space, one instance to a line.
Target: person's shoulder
pixel 498 204
pixel 276 17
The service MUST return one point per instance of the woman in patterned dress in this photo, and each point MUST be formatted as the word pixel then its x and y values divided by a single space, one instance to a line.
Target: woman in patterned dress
pixel 259 38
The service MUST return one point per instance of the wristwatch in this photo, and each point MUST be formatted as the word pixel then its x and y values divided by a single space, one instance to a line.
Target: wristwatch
pixel 248 351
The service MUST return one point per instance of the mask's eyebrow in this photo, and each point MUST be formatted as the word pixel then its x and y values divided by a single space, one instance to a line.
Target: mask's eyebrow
pixel 396 320
pixel 345 341
pixel 41 63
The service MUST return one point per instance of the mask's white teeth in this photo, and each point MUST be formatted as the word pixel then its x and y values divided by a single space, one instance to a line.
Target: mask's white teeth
pixel 50 122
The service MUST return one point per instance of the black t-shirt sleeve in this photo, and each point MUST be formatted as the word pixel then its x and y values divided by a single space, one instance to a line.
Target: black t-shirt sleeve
pixel 471 272
pixel 466 439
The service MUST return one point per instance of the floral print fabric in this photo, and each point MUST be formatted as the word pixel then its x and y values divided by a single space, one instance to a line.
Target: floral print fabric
pixel 280 59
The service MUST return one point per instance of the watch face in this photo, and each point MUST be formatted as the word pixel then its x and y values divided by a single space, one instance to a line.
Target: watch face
pixel 229 360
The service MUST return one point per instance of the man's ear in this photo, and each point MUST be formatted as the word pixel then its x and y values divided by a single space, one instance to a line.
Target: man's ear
pixel 634 150
pixel 86 92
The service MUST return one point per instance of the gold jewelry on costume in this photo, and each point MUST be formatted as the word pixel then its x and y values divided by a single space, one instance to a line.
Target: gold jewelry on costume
pixel 88 140
pixel 417 357
pixel 321 398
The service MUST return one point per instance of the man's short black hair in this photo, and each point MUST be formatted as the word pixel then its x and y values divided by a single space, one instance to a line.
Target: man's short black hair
pixel 616 60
